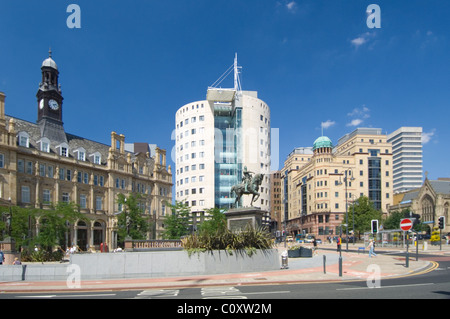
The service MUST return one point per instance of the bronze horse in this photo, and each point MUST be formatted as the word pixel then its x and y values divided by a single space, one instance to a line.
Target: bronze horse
pixel 252 189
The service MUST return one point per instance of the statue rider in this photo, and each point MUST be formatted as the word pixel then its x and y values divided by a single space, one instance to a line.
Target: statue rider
pixel 247 178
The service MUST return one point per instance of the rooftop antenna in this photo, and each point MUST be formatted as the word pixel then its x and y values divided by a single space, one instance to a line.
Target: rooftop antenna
pixel 237 83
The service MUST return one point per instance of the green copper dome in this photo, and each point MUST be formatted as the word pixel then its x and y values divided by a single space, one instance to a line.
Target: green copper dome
pixel 322 141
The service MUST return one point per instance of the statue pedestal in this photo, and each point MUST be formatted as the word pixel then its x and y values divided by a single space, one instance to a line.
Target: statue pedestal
pixel 239 218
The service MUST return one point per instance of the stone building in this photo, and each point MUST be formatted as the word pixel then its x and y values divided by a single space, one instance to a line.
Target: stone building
pixel 430 201
pixel 41 164
pixel 321 183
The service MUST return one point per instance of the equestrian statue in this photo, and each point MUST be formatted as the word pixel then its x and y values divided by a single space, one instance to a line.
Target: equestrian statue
pixel 249 186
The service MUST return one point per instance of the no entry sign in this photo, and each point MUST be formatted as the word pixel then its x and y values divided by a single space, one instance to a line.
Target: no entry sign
pixel 406 224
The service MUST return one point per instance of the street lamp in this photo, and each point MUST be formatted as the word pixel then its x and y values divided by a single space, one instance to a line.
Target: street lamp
pixel 346 200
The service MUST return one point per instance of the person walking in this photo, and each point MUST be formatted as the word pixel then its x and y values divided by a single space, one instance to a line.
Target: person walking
pixel 315 246
pixel 339 243
pixel 371 247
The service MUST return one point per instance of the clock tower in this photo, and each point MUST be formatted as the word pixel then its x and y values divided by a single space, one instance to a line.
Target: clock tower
pixel 49 100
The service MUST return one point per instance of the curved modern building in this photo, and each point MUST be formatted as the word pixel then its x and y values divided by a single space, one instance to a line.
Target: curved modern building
pixel 215 140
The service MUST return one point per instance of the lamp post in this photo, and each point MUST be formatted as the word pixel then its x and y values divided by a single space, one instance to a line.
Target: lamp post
pixel 346 201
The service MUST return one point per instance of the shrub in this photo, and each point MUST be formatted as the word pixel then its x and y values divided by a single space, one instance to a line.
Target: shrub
pixel 248 240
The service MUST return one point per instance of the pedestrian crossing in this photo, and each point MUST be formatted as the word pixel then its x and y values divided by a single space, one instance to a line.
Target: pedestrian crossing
pixel 197 293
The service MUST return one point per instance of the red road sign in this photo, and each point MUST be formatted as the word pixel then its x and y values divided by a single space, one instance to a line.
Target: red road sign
pixel 406 224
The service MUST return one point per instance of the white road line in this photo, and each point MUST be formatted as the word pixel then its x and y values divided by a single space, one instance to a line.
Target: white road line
pixel 398 286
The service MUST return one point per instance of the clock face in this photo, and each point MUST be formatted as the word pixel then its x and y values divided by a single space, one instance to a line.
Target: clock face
pixel 53 105
pixel 41 104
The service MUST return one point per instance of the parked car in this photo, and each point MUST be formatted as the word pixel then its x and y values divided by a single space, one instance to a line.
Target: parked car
pixel 318 240
pixel 289 238
pixel 309 239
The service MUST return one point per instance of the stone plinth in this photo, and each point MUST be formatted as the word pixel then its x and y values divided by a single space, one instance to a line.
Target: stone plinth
pixel 239 218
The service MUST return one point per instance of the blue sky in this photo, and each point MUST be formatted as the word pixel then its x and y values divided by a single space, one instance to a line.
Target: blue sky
pixel 132 64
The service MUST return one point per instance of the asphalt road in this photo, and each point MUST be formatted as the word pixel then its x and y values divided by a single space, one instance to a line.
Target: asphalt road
pixel 433 283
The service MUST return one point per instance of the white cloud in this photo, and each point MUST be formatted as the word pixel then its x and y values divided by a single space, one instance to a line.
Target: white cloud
pixel 291 6
pixel 355 122
pixel 362 112
pixel 426 137
pixel 358 41
pixel 359 114
pixel 363 38
pixel 328 124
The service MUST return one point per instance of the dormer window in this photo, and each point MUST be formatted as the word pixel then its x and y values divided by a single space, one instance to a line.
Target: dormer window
pixel 80 153
pixel 44 145
pixel 96 158
pixel 23 139
pixel 63 149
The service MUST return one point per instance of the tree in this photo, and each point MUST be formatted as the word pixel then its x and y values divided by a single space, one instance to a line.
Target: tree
pixel 131 221
pixel 393 221
pixel 54 224
pixel 176 225
pixel 364 213
pixel 216 224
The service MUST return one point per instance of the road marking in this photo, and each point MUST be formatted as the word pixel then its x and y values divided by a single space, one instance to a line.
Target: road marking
pixel 397 286
pixel 67 296
pixel 159 293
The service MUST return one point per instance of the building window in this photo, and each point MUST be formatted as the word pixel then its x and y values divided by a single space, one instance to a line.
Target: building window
pixel 29 167
pixel 83 201
pixel 98 202
pixel 20 166
pixel 50 171
pixel 25 194
pixel 46 196
pixel 65 197
pixel 42 170
pixel 2 161
pixel 62 173
pixel 24 139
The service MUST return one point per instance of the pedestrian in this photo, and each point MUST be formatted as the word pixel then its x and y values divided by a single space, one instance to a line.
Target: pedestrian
pixel 315 246
pixel 2 257
pixel 16 261
pixel 371 247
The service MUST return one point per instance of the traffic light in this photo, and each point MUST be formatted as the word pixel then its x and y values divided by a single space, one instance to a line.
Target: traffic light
pixel 374 226
pixel 441 222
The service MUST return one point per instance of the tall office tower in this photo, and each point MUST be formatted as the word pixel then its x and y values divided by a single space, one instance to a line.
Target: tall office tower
pixel 407 155
pixel 216 140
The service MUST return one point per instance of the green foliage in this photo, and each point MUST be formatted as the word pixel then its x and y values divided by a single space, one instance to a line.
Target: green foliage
pixel 247 240
pixel 364 212
pixel 54 224
pixel 216 223
pixel 176 225
pixel 393 221
pixel 131 222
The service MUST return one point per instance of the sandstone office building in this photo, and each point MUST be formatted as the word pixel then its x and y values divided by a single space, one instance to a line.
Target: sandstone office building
pixel 41 164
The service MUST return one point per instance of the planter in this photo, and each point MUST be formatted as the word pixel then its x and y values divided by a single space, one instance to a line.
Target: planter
pixel 305 252
pixel 294 253
pixel 300 252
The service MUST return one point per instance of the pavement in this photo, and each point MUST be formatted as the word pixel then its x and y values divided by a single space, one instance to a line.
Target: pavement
pixel 323 267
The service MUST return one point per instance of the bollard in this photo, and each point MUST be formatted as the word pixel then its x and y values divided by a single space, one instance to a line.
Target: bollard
pixel 324 264
pixel 284 260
